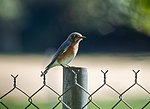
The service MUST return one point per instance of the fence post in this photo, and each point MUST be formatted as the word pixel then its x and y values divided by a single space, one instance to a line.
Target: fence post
pixel 74 96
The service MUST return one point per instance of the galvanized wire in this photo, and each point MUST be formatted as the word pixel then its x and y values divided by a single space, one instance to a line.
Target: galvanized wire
pixel 90 95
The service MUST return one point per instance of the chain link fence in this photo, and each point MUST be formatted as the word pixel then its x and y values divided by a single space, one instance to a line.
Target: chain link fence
pixel 90 96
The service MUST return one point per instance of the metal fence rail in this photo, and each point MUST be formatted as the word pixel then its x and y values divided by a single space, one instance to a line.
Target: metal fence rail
pixel 80 87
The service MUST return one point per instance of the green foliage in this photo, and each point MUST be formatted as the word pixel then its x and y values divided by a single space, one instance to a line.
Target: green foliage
pixel 10 9
pixel 140 15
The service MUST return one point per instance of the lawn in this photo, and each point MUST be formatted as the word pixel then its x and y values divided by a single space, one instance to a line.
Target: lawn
pixel 135 104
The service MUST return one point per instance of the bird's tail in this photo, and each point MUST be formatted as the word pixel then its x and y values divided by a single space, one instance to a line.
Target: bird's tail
pixel 46 69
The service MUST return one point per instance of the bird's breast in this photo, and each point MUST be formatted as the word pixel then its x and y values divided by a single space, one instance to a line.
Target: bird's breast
pixel 68 55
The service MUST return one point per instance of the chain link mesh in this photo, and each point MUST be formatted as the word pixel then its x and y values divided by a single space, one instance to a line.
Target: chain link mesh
pixel 90 95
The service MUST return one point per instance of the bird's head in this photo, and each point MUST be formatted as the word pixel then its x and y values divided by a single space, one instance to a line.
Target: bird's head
pixel 75 37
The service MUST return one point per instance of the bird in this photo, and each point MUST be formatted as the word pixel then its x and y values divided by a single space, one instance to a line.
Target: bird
pixel 66 52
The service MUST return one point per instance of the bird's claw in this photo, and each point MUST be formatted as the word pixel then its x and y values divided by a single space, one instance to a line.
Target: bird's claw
pixel 65 66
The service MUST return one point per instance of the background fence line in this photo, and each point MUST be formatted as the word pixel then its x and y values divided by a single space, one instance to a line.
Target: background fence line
pixel 90 95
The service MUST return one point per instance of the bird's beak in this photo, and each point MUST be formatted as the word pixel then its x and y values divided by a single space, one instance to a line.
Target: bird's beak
pixel 83 37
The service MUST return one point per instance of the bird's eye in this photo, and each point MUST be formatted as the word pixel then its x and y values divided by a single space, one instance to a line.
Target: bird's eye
pixel 75 36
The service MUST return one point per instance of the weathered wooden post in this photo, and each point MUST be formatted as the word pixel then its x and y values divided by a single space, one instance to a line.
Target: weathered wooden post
pixel 75 80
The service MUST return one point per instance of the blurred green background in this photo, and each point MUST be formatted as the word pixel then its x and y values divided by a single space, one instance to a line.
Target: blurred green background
pixel 118 39
pixel 111 25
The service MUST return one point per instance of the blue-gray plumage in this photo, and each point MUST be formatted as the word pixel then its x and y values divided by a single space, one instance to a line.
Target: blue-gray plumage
pixel 66 52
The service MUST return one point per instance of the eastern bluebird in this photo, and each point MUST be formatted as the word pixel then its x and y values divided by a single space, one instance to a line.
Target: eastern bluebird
pixel 66 52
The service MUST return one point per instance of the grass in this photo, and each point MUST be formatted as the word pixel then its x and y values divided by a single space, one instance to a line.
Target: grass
pixel 20 105
pixel 134 103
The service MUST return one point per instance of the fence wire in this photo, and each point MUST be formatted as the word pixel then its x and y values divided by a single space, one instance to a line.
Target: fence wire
pixel 90 95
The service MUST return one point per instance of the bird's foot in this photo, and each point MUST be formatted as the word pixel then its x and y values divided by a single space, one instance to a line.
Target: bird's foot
pixel 66 66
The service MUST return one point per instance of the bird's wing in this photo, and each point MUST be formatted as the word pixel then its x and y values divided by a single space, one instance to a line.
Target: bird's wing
pixel 64 46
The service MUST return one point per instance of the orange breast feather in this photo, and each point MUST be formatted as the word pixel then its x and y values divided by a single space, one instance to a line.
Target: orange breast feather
pixel 68 55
